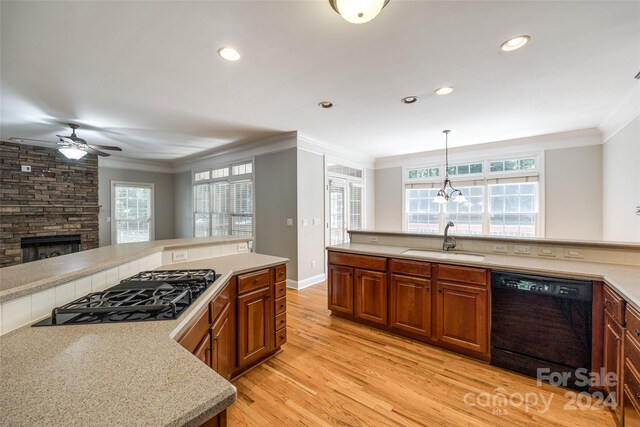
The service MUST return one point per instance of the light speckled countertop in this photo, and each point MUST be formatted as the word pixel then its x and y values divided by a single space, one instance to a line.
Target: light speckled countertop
pixel 23 279
pixel 624 279
pixel 116 374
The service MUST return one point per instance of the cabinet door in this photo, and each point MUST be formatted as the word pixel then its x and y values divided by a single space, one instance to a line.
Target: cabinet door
pixel 612 359
pixel 462 316
pixel 255 326
pixel 221 344
pixel 411 304
pixel 341 289
pixel 371 296
pixel 203 351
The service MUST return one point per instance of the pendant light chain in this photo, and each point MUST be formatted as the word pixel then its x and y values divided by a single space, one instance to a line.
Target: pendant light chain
pixel 443 195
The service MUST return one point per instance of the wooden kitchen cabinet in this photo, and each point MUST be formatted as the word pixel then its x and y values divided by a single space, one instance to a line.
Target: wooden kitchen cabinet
pixel 203 351
pixel 410 304
pixel 371 296
pixel 220 338
pixel 612 359
pixel 255 326
pixel 341 289
pixel 462 316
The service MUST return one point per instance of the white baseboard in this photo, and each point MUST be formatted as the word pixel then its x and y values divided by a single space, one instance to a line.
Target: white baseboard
pixel 305 283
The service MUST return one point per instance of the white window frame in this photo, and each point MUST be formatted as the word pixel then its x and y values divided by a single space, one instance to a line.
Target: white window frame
pixel 152 208
pixel 485 177
pixel 230 178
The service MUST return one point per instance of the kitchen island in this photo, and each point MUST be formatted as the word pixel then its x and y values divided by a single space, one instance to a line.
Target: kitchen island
pixel 133 373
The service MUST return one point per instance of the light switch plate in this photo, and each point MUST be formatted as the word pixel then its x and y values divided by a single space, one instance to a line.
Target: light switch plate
pixel 501 249
pixel 289 222
pixel 305 222
pixel 179 255
pixel 243 247
pixel 317 221
pixel 25 168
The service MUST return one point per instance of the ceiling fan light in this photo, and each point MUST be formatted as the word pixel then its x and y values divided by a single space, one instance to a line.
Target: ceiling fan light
pixel 358 11
pixel 72 153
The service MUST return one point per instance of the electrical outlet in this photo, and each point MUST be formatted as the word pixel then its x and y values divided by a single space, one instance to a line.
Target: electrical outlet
pixel 522 250
pixel 547 252
pixel 25 168
pixel 313 264
pixel 373 239
pixel 179 255
pixel 305 222
pixel 502 249
pixel 289 222
pixel 243 247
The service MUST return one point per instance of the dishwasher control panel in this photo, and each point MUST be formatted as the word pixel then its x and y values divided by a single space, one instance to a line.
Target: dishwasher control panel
pixel 552 286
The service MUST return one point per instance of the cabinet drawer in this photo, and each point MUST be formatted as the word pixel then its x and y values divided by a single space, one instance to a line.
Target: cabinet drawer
pixel 281 321
pixel 218 304
pixel 281 273
pixel 281 305
pixel 614 305
pixel 411 268
pixel 631 382
pixel 467 275
pixel 196 331
pixel 632 319
pixel 250 281
pixel 281 337
pixel 360 261
pixel 281 289
pixel 632 350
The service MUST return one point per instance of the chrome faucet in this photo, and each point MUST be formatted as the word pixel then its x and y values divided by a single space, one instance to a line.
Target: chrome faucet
pixel 449 242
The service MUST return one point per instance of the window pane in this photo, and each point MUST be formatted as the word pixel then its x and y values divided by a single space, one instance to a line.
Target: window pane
pixel 497 166
pixel 475 168
pixel 337 195
pixel 201 176
pixel 514 209
pixel 423 173
pixel 422 213
pixel 355 207
pixel 132 213
pixel 467 216
pixel 220 219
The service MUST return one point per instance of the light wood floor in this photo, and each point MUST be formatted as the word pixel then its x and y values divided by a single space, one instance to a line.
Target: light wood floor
pixel 336 372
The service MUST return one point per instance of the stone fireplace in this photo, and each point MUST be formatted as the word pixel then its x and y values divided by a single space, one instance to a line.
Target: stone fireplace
pixel 56 200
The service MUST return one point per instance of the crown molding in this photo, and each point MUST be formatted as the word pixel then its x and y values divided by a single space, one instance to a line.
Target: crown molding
pixel 627 111
pixel 135 164
pixel 335 151
pixel 554 141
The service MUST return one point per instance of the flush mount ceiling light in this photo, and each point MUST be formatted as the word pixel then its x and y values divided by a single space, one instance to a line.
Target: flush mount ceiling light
pixel 228 53
pixel 358 11
pixel 444 90
pixel 409 99
pixel 73 153
pixel 448 191
pixel 325 104
pixel 515 43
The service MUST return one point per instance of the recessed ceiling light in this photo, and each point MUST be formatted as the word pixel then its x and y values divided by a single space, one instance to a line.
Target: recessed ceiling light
pixel 515 43
pixel 409 99
pixel 228 53
pixel 444 90
pixel 325 104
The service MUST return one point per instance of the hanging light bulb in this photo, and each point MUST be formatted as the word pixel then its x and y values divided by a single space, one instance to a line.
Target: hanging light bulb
pixel 453 193
pixel 72 153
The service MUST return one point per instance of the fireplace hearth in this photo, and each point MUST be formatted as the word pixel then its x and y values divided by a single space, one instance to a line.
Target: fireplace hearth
pixel 36 248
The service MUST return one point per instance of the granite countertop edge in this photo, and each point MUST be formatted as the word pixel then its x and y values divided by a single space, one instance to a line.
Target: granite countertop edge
pixel 611 274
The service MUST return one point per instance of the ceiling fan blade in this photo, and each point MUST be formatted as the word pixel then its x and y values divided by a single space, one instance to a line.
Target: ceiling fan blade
pixel 66 139
pixel 94 151
pixel 15 139
pixel 105 147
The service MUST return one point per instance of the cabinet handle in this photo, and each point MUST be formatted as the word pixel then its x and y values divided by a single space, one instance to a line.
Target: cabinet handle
pixel 439 289
pixel 606 301
pixel 267 296
pixel 637 332
pixel 256 280
pixel 427 288
pixel 618 339
pixel 637 396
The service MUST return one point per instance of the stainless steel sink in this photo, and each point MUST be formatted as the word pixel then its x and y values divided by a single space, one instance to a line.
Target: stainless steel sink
pixel 444 255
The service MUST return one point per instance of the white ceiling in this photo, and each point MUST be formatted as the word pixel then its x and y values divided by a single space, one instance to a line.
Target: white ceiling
pixel 146 76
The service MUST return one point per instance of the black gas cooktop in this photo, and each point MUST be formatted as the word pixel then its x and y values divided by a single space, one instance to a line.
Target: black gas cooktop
pixel 149 295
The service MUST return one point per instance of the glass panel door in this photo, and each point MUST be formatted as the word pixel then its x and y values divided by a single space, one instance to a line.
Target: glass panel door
pixel 337 212
pixel 131 212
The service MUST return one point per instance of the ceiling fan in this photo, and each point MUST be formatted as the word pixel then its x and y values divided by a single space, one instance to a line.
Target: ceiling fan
pixel 74 147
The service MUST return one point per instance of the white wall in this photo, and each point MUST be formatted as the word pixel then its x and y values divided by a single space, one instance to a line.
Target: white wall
pixel 310 183
pixel 621 184
pixel 388 199
pixel 163 199
pixel 573 193
pixel 370 198
pixel 183 210
pixel 275 202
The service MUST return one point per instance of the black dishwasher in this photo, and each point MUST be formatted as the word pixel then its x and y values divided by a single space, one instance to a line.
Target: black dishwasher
pixel 541 323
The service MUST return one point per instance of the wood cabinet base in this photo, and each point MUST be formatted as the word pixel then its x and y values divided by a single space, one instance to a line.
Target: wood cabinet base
pixel 219 420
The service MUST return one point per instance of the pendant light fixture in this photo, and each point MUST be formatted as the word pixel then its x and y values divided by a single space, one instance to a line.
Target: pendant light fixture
pixel 448 191
pixel 358 11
